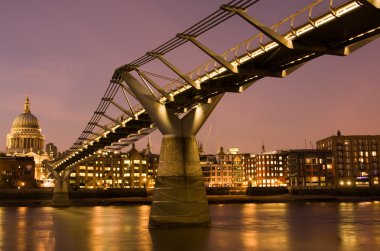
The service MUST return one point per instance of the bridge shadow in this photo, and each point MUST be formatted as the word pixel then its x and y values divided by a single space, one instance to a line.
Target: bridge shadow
pixel 184 239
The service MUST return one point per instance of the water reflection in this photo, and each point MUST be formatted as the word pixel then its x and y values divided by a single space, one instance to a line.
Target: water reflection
pixel 279 226
pixel 313 226
pixel 25 228
pixel 189 239
pixel 359 225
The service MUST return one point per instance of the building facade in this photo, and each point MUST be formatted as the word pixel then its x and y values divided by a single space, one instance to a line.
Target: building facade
pixel 132 169
pixel 266 169
pixel 224 169
pixel 309 167
pixel 355 158
pixel 17 172
pixel 303 167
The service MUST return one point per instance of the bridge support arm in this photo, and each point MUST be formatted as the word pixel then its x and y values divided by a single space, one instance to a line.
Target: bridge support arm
pixel 261 27
pixel 100 126
pixel 176 70
pixel 110 118
pixel 209 52
pixel 157 87
pixel 165 120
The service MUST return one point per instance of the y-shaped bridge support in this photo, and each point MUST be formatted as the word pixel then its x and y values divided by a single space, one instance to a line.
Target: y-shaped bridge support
pixel 61 191
pixel 179 198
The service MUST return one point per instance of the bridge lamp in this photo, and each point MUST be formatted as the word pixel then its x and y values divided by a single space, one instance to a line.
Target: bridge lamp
pixel 347 8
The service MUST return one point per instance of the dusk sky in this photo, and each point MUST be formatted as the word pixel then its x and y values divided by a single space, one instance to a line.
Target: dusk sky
pixel 63 54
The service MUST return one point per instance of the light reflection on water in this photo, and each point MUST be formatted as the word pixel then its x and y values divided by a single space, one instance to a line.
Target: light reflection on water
pixel 277 226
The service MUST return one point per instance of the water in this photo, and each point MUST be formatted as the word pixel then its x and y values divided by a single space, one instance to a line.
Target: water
pixel 277 226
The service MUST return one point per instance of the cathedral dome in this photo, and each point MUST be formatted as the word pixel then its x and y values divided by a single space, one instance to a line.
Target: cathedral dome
pixel 26 120
pixel 25 135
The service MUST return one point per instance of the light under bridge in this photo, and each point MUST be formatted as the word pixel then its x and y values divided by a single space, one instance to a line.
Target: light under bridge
pixel 181 107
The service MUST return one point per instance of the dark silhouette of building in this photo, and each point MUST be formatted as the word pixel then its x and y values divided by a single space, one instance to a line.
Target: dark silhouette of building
pixel 51 150
pixel 17 172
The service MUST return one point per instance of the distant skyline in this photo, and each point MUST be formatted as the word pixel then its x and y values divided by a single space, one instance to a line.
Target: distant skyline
pixel 63 53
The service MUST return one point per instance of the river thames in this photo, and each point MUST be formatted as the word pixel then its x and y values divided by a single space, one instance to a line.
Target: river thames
pixel 268 226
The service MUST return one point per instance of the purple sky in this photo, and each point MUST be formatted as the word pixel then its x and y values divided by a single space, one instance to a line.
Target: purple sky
pixel 63 54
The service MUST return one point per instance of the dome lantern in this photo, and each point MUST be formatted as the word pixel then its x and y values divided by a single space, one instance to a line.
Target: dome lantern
pixel 27 105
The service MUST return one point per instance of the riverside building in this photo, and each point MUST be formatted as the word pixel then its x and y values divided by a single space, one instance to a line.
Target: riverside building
pixel 17 172
pixel 302 167
pixel 355 158
pixel 309 167
pixel 224 169
pixel 115 169
pixel 266 169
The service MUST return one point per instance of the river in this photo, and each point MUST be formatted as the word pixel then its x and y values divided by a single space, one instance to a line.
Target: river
pixel 269 226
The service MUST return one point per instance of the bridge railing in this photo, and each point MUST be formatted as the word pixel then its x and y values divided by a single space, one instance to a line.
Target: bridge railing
pixel 302 21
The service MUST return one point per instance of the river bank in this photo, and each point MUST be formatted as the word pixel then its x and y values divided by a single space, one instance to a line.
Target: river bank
pixel 213 199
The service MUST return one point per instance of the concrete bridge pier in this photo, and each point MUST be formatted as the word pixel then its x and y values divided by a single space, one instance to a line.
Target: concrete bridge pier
pixel 61 192
pixel 179 198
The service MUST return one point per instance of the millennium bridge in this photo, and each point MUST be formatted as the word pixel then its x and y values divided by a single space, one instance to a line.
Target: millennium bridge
pixel 179 108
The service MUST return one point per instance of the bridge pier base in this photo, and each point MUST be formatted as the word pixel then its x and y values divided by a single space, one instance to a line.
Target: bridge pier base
pixel 61 193
pixel 179 198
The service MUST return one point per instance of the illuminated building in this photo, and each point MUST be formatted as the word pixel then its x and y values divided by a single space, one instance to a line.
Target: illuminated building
pixel 355 158
pixel 26 139
pixel 266 169
pixel 302 167
pixel 309 167
pixel 224 169
pixel 17 172
pixel 116 169
pixel 206 161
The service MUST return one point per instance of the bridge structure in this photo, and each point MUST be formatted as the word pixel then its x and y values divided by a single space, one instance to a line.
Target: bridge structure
pixel 180 108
